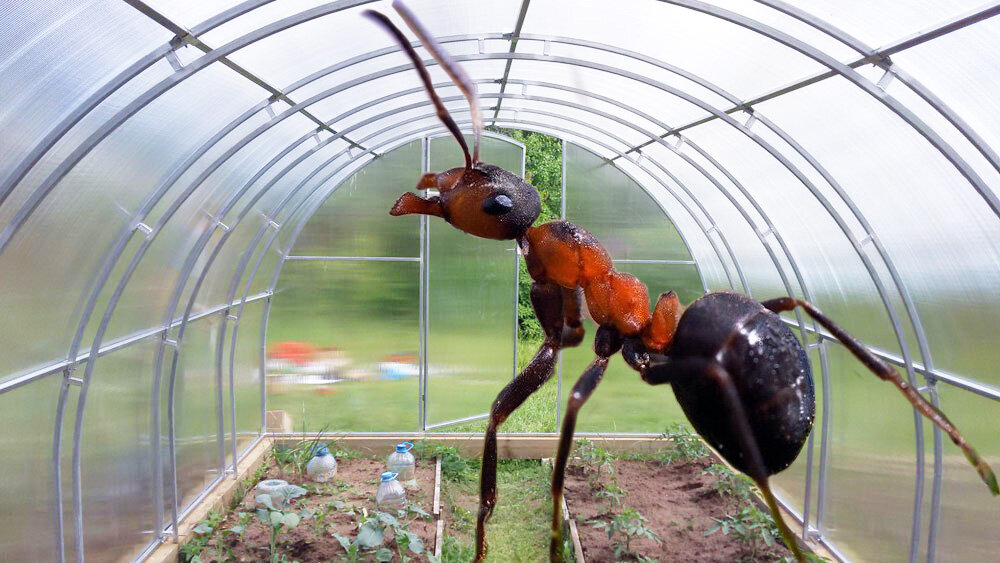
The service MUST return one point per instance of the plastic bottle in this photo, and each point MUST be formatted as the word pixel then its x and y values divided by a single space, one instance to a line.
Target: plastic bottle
pixel 402 461
pixel 390 495
pixel 323 466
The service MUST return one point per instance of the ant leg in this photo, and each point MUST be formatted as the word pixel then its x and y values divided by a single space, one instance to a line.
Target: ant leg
pixel 606 343
pixel 425 77
pixel 886 373
pixel 547 302
pixel 572 333
pixel 752 458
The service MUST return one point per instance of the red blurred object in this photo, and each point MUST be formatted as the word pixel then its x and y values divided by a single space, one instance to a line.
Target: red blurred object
pixel 298 353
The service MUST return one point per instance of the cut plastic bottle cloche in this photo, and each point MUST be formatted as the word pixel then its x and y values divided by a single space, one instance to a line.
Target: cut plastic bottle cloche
pixel 390 495
pixel 322 467
pixel 402 462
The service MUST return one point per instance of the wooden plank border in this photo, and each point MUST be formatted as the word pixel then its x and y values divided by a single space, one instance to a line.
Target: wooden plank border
pixel 217 499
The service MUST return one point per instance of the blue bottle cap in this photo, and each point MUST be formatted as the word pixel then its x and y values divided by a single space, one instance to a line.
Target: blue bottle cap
pixel 321 452
pixel 388 476
pixel 404 447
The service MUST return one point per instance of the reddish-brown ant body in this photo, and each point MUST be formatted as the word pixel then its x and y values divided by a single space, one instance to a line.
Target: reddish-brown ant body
pixel 738 372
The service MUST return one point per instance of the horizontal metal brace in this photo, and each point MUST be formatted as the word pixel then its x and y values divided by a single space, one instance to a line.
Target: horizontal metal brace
pixel 223 226
pixel 75 381
pixel 712 229
pixel 170 343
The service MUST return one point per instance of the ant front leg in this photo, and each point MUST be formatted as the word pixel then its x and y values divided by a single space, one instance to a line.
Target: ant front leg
pixel 606 342
pixel 547 301
pixel 886 373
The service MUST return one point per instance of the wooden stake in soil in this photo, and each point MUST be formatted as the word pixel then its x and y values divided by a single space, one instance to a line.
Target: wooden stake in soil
pixel 437 488
pixel 573 533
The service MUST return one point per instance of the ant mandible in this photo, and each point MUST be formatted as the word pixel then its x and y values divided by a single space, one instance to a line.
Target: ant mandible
pixel 738 372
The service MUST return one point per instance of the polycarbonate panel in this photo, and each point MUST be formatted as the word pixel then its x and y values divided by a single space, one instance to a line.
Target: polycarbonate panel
pixel 623 402
pixel 196 413
pixel 967 507
pixel 246 373
pixel 315 44
pixel 886 22
pixel 736 237
pixel 732 57
pixel 355 220
pixel 616 210
pixel 471 301
pixel 50 62
pixel 361 320
pixel 934 226
pixel 871 477
pixel 116 456
pixel 26 524
pixel 837 279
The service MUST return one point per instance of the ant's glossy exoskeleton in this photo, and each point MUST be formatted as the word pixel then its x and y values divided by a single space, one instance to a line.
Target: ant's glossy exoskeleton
pixel 738 372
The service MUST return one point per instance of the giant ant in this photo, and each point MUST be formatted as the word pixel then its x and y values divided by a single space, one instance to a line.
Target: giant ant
pixel 738 372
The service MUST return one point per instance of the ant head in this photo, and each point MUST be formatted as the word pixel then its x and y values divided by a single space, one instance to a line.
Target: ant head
pixel 480 199
pixel 486 201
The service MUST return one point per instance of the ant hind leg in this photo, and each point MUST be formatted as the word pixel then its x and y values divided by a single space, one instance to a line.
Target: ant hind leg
pixel 887 373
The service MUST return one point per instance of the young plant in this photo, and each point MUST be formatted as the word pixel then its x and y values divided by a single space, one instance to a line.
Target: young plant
pixel 371 536
pixel 686 445
pixel 614 495
pixel 627 526
pixel 751 526
pixel 728 483
pixel 276 516
pixel 597 461
pixel 191 551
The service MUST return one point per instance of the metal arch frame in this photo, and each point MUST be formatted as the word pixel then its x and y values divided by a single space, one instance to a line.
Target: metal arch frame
pixel 931 368
pixel 980 144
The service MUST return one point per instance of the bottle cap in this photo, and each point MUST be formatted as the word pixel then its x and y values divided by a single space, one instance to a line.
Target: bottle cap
pixel 404 447
pixel 389 476
pixel 321 452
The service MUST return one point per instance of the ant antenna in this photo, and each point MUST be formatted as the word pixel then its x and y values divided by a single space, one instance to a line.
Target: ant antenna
pixel 454 70
pixel 418 64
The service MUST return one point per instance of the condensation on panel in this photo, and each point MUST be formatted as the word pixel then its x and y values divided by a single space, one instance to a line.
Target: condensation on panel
pixel 471 302
pixel 196 411
pixel 343 343
pixel 617 211
pixel 26 523
pixel 116 460
pixel 355 221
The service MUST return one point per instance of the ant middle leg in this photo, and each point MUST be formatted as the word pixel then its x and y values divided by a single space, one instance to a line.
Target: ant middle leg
pixel 546 299
pixel 887 373
pixel 606 342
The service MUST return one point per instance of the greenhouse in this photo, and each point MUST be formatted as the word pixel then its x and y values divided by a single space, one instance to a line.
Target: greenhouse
pixel 197 258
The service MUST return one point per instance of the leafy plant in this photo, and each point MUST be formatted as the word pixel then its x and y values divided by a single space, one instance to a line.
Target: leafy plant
pixel 454 467
pixel 191 551
pixel 627 526
pixel 729 483
pixel 371 536
pixel 751 526
pixel 276 517
pixel 686 445
pixel 613 493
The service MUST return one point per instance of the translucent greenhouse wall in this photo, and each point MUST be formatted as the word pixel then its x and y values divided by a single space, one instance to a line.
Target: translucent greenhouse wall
pixel 159 160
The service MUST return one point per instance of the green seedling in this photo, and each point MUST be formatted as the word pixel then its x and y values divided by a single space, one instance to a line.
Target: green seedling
pixel 624 528
pixel 371 536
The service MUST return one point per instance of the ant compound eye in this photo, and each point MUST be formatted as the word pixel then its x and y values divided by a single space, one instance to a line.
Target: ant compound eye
pixel 497 204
